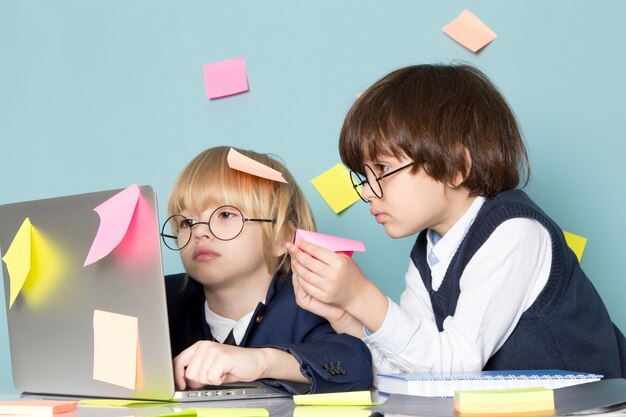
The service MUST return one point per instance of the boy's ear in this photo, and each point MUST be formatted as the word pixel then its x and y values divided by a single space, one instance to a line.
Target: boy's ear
pixel 460 177
pixel 279 248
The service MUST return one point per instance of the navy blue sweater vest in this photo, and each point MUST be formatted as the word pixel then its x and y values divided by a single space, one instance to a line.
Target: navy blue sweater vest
pixel 567 327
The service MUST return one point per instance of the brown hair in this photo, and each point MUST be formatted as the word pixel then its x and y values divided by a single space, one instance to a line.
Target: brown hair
pixel 432 113
pixel 208 181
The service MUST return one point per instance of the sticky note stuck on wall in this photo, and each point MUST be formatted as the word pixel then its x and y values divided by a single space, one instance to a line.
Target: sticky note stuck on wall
pixel 576 243
pixel 225 78
pixel 469 31
pixel 336 188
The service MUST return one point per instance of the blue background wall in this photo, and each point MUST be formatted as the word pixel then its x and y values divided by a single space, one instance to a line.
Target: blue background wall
pixel 97 95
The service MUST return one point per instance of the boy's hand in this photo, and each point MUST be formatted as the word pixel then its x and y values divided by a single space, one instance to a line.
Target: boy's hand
pixel 335 280
pixel 340 320
pixel 212 363
pixel 325 275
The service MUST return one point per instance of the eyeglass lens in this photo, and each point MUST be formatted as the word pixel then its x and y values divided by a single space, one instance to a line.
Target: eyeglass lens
pixel 226 223
pixel 359 181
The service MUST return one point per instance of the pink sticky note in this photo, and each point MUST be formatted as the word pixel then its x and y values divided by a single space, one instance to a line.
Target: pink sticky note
pixel 115 341
pixel 242 163
pixel 115 216
pixel 225 78
pixel 469 31
pixel 334 243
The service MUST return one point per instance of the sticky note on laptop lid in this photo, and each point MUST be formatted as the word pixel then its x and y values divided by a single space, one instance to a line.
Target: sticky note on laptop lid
pixel 334 243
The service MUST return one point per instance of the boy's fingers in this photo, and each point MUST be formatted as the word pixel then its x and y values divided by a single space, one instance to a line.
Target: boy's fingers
pixel 324 255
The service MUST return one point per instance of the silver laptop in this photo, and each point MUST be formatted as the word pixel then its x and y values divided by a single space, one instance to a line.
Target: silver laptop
pixel 77 267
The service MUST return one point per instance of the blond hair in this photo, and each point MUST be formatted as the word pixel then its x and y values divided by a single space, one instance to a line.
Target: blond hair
pixel 209 181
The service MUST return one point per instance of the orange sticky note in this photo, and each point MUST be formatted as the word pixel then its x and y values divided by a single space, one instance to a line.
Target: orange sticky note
pixel 18 259
pixel 115 341
pixel 37 407
pixel 115 216
pixel 240 162
pixel 336 188
pixel 225 78
pixel 469 31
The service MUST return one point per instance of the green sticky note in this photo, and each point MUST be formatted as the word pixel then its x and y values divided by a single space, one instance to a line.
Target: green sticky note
pixel 331 411
pixel 220 412
pixel 363 398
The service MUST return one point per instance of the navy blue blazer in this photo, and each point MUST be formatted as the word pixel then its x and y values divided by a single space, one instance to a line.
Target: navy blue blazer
pixel 330 361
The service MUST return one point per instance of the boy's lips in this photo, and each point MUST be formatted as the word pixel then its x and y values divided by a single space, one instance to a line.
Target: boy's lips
pixel 380 216
pixel 204 254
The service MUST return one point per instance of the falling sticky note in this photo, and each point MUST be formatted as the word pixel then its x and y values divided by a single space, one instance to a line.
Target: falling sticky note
pixel 331 411
pixel 225 78
pixel 115 340
pixel 336 188
pixel 576 243
pixel 334 243
pixel 469 31
pixel 360 398
pixel 220 412
pixel 17 259
pixel 240 162
pixel 115 216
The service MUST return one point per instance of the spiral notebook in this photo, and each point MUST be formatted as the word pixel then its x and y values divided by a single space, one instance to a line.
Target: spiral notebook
pixel 445 383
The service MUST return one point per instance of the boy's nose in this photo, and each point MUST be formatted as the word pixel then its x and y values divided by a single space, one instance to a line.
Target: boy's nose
pixel 367 192
pixel 201 230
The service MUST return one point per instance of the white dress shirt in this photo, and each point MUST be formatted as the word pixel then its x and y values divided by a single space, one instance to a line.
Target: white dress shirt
pixel 500 282
pixel 221 326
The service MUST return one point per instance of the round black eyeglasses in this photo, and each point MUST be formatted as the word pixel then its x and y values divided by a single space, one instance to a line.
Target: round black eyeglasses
pixel 225 223
pixel 370 178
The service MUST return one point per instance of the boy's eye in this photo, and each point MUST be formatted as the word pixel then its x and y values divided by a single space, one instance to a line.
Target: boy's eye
pixel 227 215
pixel 380 169
pixel 186 223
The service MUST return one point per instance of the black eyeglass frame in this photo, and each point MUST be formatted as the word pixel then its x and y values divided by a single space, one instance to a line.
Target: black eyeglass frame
pixel 363 181
pixel 193 223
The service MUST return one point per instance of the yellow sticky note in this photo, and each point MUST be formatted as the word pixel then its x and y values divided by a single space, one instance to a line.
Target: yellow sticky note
pixel 115 348
pixel 576 243
pixel 336 188
pixel 330 411
pixel 220 412
pixel 469 31
pixel 107 402
pixel 515 400
pixel 17 259
pixel 362 398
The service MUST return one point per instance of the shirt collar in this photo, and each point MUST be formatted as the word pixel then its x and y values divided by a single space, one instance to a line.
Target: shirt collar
pixel 441 249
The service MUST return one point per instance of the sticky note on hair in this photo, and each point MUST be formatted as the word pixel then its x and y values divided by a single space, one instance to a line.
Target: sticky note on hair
pixel 18 259
pixel 576 243
pixel 225 78
pixel 115 216
pixel 469 31
pixel 115 341
pixel 242 163
pixel 336 188
pixel 334 243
